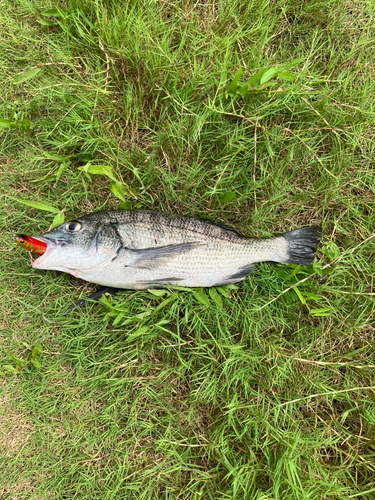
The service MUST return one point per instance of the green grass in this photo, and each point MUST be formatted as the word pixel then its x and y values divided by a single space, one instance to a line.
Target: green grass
pixel 256 395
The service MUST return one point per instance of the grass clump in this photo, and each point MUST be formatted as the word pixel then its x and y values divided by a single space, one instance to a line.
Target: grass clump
pixel 264 390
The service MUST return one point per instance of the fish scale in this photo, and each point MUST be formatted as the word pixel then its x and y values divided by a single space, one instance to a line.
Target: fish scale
pixel 142 249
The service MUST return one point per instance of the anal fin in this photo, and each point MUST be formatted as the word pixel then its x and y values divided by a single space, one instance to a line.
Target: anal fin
pixel 160 281
pixel 240 275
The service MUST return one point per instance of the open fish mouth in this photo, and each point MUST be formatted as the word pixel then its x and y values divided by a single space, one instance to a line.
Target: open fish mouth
pixel 39 245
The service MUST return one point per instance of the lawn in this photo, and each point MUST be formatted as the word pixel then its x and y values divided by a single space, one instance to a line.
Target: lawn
pixel 256 114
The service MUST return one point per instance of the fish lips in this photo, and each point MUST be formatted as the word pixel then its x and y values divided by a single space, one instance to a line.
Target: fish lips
pixel 52 244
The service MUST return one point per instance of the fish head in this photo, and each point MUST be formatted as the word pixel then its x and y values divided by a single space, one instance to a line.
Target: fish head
pixel 78 246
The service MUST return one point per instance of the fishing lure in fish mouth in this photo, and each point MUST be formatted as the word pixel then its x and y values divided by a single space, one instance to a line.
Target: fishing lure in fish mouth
pixel 30 244
pixel 140 249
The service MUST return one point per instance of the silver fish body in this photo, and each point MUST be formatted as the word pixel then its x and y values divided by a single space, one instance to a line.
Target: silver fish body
pixel 141 249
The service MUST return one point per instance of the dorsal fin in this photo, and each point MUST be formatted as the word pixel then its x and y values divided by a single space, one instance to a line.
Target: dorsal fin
pixel 223 226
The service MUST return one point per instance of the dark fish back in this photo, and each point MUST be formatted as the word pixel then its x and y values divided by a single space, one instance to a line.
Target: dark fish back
pixel 146 227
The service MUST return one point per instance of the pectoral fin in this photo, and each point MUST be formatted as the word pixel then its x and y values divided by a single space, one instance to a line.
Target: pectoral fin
pixel 152 258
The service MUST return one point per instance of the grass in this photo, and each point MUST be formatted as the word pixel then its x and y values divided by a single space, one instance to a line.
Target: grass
pixel 268 392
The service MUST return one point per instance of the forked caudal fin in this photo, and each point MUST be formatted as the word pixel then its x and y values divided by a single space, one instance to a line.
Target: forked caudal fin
pixel 302 244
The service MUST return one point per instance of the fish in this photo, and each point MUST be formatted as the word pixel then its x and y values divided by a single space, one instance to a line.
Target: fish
pixel 142 249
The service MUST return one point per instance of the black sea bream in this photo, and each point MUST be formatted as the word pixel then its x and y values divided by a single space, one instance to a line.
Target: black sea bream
pixel 141 249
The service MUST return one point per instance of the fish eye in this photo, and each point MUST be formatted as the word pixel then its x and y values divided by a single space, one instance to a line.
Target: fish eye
pixel 73 227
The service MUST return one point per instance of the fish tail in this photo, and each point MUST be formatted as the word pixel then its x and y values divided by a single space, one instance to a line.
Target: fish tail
pixel 301 245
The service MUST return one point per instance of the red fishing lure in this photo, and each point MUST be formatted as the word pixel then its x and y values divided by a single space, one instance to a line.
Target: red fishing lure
pixel 30 244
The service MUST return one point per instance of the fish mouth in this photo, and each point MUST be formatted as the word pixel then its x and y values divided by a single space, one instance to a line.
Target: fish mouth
pixel 51 246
